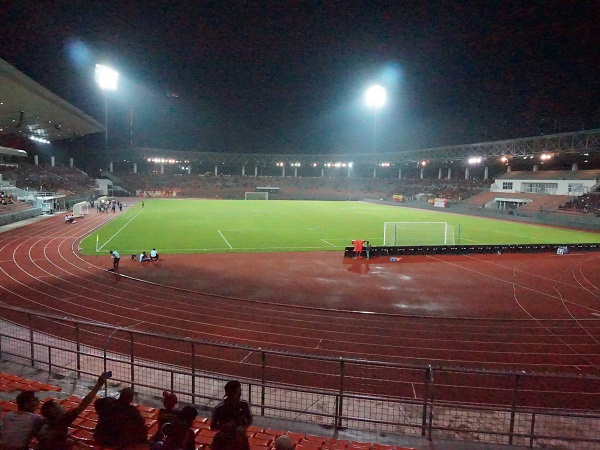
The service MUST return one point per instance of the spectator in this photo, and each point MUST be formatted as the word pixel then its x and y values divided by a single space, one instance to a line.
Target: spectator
pixel 20 426
pixel 230 438
pixel 178 434
pixel 54 435
pixel 283 443
pixel 232 410
pixel 120 424
pixel 166 414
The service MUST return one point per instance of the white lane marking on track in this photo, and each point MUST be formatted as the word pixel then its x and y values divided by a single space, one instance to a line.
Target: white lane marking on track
pixel 246 357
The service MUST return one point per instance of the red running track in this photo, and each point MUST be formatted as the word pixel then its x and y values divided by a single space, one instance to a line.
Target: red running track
pixel 534 313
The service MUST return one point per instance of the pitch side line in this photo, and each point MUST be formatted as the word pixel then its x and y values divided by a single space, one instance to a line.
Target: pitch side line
pixel 219 231
pixel 118 231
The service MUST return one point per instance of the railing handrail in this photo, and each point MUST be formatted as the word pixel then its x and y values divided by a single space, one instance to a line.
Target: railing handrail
pixel 345 359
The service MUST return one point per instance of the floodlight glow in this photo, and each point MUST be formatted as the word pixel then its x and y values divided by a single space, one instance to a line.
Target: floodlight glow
pixel 474 160
pixel 106 77
pixel 375 96
pixel 350 164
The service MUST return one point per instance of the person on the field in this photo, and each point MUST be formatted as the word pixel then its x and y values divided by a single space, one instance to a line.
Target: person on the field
pixel 144 257
pixel 153 255
pixel 358 247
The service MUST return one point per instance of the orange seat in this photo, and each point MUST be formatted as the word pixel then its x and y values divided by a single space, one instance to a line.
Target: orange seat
pixel 306 447
pixel 319 439
pixel 377 446
pixel 295 437
pixel 274 432
pixel 255 429
pixel 207 432
pixel 310 444
pixel 266 436
pixel 259 442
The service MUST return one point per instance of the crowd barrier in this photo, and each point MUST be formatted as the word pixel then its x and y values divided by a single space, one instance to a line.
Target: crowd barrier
pixel 406 250
pixel 356 394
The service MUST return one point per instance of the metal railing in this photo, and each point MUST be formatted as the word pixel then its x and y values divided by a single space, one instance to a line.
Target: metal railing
pixel 421 400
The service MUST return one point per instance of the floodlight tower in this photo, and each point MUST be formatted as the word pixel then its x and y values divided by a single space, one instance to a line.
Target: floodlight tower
pixel 375 98
pixel 106 79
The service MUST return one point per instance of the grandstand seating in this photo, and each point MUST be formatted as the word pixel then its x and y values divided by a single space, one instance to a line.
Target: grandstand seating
pixel 260 438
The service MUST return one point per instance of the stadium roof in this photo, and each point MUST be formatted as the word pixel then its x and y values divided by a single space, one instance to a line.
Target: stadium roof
pixel 29 109
pixel 12 151
pixel 551 175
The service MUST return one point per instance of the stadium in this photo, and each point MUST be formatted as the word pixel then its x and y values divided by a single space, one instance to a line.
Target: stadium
pixel 472 320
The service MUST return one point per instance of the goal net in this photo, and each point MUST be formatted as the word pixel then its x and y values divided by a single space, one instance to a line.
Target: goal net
pixel 418 233
pixel 81 208
pixel 256 196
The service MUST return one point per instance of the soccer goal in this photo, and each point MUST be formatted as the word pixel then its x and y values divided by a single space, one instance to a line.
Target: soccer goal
pixel 81 208
pixel 256 196
pixel 418 233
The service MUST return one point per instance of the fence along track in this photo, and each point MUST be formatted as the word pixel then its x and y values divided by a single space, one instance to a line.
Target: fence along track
pixel 355 394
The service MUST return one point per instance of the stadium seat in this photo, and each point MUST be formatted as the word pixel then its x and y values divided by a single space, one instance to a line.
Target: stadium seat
pixel 295 437
pixel 319 439
pixel 274 432
pixel 382 447
pixel 263 443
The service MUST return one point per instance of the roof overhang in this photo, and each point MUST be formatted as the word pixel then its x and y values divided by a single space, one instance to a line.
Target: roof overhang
pixel 12 151
pixel 28 109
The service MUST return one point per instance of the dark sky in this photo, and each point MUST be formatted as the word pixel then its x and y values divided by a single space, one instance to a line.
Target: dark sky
pixel 289 76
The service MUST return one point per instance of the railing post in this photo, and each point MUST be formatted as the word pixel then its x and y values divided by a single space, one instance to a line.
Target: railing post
pixel 50 360
pixel 340 409
pixel 431 397
pixel 263 382
pixel 131 360
pixel 193 372
pixel 425 397
pixel 532 430
pixel 31 347
pixel 78 347
pixel 513 411
pixel 104 370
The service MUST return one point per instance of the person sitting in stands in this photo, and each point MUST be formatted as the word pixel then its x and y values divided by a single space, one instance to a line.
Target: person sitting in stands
pixel 153 255
pixel 165 415
pixel 230 438
pixel 178 433
pixel 120 424
pixel 143 257
pixel 54 435
pixel 20 426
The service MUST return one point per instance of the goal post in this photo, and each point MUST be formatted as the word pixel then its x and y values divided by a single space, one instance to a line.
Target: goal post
pixel 418 233
pixel 256 196
pixel 81 208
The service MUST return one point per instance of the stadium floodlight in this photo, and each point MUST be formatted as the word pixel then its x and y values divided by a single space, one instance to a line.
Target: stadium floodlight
pixel 375 98
pixel 106 79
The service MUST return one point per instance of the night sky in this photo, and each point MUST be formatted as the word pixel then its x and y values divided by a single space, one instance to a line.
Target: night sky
pixel 289 76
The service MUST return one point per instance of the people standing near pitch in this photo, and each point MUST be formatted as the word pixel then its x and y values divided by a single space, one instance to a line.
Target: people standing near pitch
pixel 358 247
pixel 368 249
pixel 116 259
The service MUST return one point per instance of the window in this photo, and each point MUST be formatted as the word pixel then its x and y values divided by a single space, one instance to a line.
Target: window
pixel 507 185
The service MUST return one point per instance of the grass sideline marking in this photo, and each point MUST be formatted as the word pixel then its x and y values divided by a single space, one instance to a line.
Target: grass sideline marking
pixel 118 231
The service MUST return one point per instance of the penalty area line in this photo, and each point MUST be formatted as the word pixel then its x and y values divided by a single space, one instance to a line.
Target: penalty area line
pixel 219 231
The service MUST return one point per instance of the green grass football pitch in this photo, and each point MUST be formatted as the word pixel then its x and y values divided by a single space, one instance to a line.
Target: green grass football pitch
pixel 218 226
